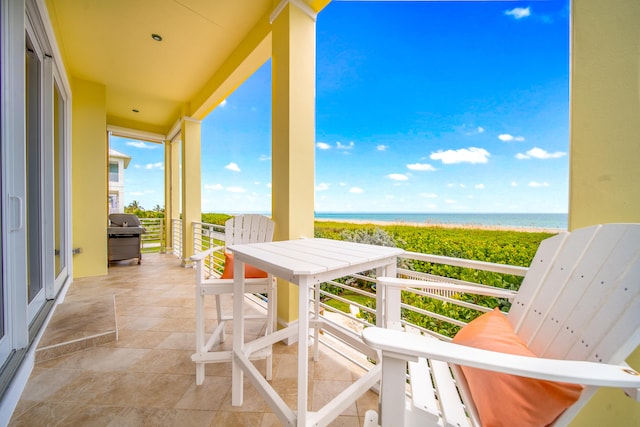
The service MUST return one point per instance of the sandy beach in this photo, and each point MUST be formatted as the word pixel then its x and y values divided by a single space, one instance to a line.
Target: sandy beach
pixel 445 225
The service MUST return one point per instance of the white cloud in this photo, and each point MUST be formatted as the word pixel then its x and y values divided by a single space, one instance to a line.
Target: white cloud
pixel 420 167
pixel 264 157
pixel 341 146
pixel 398 177
pixel 322 186
pixel 514 184
pixel 223 103
pixel 505 137
pixel 480 129
pixel 343 184
pixel 428 195
pixel 535 184
pixel 269 185
pixel 539 153
pixel 323 145
pixel 156 165
pixel 236 190
pixel 140 144
pixel 382 147
pixel 463 155
pixel 213 187
pixel 233 167
pixel 356 190
pixel 479 186
pixel 137 193
pixel 519 12
pixel 450 202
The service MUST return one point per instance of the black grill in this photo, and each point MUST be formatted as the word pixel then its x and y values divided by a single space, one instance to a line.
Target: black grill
pixel 125 233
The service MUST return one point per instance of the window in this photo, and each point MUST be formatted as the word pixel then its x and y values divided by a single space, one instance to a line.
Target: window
pixel 114 175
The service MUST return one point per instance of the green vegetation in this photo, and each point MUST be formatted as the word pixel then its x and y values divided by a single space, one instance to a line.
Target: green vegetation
pixel 215 218
pixel 497 246
pixel 136 209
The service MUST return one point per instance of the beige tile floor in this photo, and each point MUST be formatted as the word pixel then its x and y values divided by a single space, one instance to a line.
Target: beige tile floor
pixel 117 353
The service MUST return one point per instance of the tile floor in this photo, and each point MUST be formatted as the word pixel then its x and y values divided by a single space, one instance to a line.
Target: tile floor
pixel 117 353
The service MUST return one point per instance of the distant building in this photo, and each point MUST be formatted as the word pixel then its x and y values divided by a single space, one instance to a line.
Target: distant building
pixel 118 162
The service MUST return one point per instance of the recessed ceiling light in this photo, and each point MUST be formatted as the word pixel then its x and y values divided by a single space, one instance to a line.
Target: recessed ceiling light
pixel 135 110
pixel 156 37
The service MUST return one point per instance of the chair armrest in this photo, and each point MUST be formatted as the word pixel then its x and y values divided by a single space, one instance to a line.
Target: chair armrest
pixel 202 255
pixel 415 283
pixel 402 345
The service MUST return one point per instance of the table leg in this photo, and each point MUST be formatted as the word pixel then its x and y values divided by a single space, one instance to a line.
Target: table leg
pixel 303 351
pixel 238 333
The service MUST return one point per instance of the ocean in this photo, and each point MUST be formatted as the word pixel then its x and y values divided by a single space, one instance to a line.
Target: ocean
pixel 510 220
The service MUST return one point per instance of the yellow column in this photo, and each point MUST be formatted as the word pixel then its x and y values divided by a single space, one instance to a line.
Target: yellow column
pixel 191 194
pixel 604 176
pixel 171 189
pixel 89 186
pixel 293 138
pixel 605 113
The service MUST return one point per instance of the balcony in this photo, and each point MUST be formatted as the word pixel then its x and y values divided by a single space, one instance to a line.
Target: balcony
pixel 118 349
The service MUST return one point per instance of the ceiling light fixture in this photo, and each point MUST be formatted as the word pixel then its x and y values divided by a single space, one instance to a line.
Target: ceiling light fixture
pixel 135 110
pixel 156 37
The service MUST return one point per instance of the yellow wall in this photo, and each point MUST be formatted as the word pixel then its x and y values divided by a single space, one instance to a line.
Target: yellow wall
pixel 89 178
pixel 605 146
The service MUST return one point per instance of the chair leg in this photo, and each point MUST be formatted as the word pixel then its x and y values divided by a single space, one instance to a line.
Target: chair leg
pixel 272 317
pixel 219 312
pixel 199 373
pixel 200 338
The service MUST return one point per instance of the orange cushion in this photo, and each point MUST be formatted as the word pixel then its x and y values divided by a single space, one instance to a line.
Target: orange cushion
pixel 504 399
pixel 250 272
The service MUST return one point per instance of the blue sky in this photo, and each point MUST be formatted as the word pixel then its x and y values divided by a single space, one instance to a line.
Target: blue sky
pixel 421 107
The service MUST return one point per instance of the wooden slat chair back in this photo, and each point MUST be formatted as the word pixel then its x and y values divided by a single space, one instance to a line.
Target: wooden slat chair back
pixel 579 301
pixel 240 229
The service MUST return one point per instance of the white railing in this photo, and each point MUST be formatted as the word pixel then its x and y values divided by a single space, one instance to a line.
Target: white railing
pixel 427 310
pixel 153 237
pixel 207 235
pixel 177 237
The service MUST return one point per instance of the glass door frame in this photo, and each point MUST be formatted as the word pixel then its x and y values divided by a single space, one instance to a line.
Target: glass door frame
pixel 61 126
pixel 35 174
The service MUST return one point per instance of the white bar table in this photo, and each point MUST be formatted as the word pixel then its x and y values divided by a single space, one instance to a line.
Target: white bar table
pixel 305 263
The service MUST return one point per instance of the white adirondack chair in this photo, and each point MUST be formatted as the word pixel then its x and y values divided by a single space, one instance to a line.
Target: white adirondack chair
pixel 238 230
pixel 578 310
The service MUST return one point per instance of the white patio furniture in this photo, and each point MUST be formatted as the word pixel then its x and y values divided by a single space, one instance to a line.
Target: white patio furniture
pixel 209 282
pixel 306 263
pixel 577 310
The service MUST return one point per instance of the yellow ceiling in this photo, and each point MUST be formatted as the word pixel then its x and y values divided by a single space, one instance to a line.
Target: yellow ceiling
pixel 109 42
